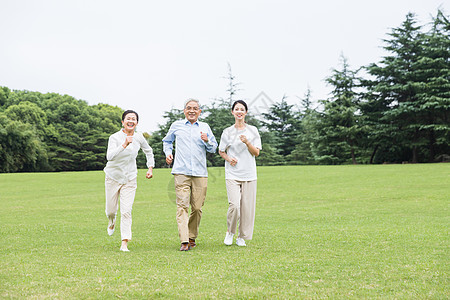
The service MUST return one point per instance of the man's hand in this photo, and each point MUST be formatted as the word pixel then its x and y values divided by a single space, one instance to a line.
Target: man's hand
pixel 204 137
pixel 169 159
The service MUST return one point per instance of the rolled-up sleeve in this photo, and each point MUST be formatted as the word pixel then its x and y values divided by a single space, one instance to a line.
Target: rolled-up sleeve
pixel 168 140
pixel 211 145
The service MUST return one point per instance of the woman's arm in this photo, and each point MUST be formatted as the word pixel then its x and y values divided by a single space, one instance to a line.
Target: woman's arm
pixel 253 150
pixel 148 151
pixel 114 148
pixel 231 160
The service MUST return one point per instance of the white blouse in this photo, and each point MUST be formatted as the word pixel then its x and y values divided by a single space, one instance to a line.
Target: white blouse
pixel 245 169
pixel 121 165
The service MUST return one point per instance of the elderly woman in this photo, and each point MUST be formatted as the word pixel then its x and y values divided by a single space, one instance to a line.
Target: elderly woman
pixel 239 145
pixel 121 173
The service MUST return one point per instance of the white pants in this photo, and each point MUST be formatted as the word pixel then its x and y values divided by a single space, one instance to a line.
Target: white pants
pixel 126 192
pixel 242 203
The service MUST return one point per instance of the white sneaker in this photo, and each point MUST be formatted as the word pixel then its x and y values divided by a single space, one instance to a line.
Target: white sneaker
pixel 240 242
pixel 228 239
pixel 111 231
pixel 124 249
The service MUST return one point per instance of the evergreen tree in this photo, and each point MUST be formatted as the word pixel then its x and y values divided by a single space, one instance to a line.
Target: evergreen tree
pixel 302 154
pixel 338 130
pixel 282 121
pixel 393 94
pixel 432 106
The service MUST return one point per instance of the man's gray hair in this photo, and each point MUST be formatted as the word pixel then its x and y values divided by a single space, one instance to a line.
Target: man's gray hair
pixel 190 100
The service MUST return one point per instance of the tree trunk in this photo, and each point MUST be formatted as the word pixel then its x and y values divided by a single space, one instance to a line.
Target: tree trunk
pixel 432 147
pixel 373 154
pixel 353 156
pixel 414 155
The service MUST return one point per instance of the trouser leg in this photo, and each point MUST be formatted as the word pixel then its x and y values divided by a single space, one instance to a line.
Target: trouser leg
pixel 127 194
pixel 198 195
pixel 234 203
pixel 248 205
pixel 112 189
pixel 183 192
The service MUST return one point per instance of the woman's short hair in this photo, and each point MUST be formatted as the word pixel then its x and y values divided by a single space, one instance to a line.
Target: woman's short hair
pixel 129 111
pixel 241 102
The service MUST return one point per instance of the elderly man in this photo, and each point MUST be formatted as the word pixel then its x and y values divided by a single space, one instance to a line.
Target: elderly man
pixel 192 138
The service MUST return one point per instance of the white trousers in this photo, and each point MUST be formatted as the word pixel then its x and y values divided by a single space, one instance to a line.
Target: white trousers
pixel 242 203
pixel 126 193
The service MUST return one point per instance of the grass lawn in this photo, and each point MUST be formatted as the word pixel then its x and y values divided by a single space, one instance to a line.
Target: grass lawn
pixel 321 232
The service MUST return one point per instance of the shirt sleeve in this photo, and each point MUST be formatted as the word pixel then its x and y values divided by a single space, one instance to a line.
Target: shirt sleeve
pixel 211 145
pixel 223 145
pixel 168 140
pixel 148 152
pixel 114 148
pixel 257 139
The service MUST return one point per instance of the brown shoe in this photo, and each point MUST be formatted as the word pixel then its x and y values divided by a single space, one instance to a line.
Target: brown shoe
pixel 185 247
pixel 192 243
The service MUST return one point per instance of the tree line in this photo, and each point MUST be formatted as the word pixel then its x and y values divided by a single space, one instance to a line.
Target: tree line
pixel 392 111
pixel 51 132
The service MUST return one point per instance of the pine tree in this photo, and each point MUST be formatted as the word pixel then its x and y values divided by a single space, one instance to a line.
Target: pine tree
pixel 337 128
pixel 432 107
pixel 408 101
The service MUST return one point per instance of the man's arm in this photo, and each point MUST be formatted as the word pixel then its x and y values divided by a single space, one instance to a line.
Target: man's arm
pixel 168 144
pixel 211 144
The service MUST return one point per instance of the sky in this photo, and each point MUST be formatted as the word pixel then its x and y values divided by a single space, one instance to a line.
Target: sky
pixel 150 56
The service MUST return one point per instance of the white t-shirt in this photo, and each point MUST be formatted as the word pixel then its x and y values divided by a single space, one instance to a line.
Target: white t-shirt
pixel 121 165
pixel 245 168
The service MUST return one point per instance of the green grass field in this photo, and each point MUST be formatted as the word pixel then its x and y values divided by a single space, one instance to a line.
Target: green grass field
pixel 321 232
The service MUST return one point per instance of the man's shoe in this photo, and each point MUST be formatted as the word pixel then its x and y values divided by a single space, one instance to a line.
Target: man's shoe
pixel 240 242
pixel 192 243
pixel 185 247
pixel 228 239
pixel 124 249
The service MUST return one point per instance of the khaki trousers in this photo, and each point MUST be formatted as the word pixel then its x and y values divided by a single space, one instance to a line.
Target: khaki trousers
pixel 242 203
pixel 190 190
pixel 126 192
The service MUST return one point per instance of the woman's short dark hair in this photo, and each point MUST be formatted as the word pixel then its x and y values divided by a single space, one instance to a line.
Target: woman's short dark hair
pixel 125 113
pixel 241 102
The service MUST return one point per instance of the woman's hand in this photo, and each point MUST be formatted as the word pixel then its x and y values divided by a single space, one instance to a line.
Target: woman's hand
pixel 253 150
pixel 128 140
pixel 149 173
pixel 233 161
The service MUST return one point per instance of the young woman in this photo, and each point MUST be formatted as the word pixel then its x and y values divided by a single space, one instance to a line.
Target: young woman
pixel 239 145
pixel 121 173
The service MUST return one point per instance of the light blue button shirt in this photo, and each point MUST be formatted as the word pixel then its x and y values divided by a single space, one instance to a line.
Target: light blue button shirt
pixel 190 149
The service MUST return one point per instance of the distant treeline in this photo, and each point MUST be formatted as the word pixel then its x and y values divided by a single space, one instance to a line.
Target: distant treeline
pixel 51 132
pixel 397 112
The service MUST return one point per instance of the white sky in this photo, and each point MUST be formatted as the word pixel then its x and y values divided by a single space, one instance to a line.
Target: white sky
pixel 152 55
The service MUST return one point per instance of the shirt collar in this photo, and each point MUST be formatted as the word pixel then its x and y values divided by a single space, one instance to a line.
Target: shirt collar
pixel 124 133
pixel 186 121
